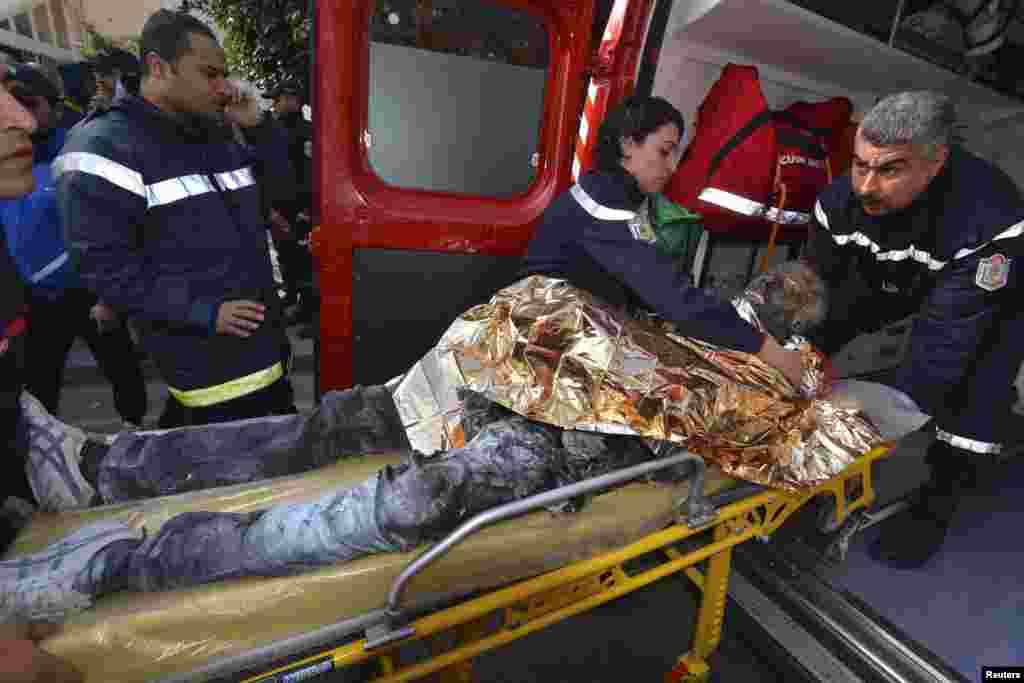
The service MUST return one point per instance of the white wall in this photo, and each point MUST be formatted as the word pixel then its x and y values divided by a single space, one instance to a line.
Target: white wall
pixel 793 43
pixel 1000 142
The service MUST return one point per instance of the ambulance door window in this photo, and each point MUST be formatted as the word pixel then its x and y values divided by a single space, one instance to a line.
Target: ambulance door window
pixel 456 95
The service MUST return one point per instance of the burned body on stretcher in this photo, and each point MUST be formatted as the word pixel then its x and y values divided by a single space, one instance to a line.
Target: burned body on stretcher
pixel 601 357
pixel 518 428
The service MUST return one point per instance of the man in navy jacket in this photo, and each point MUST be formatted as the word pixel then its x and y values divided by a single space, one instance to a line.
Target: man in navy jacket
pixel 921 227
pixel 164 213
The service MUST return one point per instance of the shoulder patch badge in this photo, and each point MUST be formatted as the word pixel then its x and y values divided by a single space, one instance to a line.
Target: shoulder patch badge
pixel 993 272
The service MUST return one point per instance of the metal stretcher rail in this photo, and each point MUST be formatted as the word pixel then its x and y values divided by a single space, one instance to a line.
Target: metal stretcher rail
pixel 731 517
pixel 697 510
pixel 697 513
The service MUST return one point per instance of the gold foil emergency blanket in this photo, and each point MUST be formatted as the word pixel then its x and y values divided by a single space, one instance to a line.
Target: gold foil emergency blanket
pixel 555 354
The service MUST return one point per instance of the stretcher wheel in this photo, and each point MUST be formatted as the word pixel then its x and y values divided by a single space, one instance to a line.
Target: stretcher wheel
pixel 690 670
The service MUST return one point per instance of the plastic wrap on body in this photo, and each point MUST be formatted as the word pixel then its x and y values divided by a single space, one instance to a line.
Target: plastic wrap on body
pixel 554 353
pixel 137 637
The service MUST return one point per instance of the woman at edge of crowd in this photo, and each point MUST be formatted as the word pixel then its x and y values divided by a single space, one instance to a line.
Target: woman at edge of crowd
pixel 21 659
pixel 587 235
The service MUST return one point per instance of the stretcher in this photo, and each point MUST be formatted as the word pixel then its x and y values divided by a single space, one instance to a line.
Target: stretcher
pixel 502 575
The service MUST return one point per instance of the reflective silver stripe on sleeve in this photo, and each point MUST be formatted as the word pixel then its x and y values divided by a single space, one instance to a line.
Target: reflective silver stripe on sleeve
pixel 966 444
pixel 857 238
pixel 733 202
pixel 236 180
pixel 599 212
pixel 1015 230
pixel 94 164
pixel 749 207
pixel 156 194
pixel 819 213
pixel 175 189
pixel 911 252
pixel 787 217
pixel 50 267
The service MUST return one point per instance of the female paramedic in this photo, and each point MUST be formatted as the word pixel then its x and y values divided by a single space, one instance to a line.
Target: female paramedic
pixel 596 235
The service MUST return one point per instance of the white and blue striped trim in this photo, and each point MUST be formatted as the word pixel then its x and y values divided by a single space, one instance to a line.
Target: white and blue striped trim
pixel 749 207
pixel 820 215
pixel 175 189
pixel 94 164
pixel 972 445
pixel 596 210
pixel 50 268
pixel 156 194
pixel 1015 230
pixel 911 252
pixel 862 240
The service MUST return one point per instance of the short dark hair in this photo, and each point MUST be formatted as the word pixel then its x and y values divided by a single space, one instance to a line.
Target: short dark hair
pixel 168 34
pixel 115 59
pixel 634 118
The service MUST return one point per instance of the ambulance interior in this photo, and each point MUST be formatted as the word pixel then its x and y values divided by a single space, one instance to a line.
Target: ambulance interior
pixel 814 50
pixel 808 50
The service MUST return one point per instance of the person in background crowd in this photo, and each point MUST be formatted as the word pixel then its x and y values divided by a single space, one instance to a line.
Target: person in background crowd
pixel 164 213
pixel 79 89
pixel 21 659
pixel 115 70
pixel 61 309
pixel 292 234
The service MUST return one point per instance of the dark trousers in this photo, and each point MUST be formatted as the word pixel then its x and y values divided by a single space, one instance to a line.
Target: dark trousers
pixel 141 465
pixel 391 511
pixel 53 328
pixel 297 271
pixel 13 442
pixel 277 399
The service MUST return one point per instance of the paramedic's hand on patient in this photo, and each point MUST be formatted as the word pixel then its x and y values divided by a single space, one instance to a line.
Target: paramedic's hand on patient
pixel 786 362
pixel 240 318
pixel 21 660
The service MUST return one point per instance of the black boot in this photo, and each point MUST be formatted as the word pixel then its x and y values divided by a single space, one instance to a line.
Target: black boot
pixel 915 536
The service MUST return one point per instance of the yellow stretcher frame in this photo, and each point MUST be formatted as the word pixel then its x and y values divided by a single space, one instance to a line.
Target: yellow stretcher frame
pixel 459 633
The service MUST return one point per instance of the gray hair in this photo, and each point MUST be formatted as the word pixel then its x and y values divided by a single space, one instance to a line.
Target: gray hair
pixel 919 118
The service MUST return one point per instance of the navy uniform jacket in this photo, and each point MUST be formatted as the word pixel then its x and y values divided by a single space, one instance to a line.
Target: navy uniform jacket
pixel 585 238
pixel 953 260
pixel 166 220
